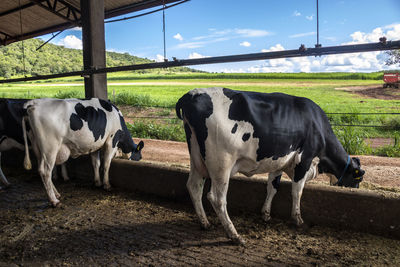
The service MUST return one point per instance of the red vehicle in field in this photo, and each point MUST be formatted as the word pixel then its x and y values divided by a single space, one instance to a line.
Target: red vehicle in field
pixel 391 80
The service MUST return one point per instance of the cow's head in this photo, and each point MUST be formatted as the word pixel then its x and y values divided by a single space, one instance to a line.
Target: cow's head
pixel 136 153
pixel 352 174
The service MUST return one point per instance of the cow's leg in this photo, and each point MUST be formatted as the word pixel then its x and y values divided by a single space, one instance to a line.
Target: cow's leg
pixel 64 172
pixel 298 185
pixel 217 197
pixel 95 156
pixel 45 169
pixel 108 155
pixel 274 180
pixel 195 185
pixel 297 191
pixel 2 176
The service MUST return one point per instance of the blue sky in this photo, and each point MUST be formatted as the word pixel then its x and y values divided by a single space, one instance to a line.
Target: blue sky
pixel 203 28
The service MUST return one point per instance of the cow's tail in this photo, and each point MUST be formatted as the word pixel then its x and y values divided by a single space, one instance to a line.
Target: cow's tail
pixel 178 108
pixel 27 160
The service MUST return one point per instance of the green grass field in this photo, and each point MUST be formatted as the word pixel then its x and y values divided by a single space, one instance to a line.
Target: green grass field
pixel 163 90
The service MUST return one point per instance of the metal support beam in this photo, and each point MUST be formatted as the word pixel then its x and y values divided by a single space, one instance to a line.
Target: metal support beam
pixel 94 47
pixel 53 9
pixel 301 52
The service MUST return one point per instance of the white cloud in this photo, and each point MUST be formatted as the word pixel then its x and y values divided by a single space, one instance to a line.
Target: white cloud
pixel 298 35
pixel 245 44
pixel 251 32
pixel 296 13
pixel 330 38
pixel 196 55
pixel 178 36
pixel 310 17
pixel 277 47
pixel 216 36
pixel 159 58
pixel 71 41
pixel 391 32
pixel 353 62
pixel 78 29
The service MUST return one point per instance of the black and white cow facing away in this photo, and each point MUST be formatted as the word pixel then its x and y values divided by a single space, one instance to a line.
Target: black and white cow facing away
pixel 63 128
pixel 11 136
pixel 233 131
pixel 10 128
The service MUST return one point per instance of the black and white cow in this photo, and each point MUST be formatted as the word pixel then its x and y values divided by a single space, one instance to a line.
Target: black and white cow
pixel 63 128
pixel 231 131
pixel 11 113
pixel 10 128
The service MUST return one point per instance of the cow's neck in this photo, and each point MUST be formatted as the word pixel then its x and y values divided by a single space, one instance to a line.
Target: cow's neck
pixel 335 158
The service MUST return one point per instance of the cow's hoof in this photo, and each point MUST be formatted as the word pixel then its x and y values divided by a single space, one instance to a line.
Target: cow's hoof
pixel 266 217
pixel 239 240
pixel 205 226
pixel 56 204
pixel 107 188
pixel 98 184
pixel 298 221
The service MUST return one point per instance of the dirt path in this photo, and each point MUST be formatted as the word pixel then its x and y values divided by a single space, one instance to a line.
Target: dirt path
pixel 374 91
pixel 94 228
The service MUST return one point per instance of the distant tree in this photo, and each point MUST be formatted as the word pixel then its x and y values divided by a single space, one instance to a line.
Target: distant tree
pixel 393 57
pixel 17 60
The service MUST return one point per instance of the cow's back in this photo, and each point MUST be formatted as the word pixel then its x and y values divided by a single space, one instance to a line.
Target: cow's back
pixel 256 125
pixel 82 125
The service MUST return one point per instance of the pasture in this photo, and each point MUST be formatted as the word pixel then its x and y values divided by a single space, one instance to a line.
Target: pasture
pixel 155 96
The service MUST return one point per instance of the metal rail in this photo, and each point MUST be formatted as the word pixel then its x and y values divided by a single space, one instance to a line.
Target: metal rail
pixel 301 52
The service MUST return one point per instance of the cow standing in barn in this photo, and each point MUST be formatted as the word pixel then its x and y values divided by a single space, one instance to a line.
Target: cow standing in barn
pixel 10 128
pixel 11 113
pixel 231 131
pixel 63 128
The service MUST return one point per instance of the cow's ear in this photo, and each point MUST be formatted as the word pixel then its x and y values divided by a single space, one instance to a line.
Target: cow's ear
pixel 140 146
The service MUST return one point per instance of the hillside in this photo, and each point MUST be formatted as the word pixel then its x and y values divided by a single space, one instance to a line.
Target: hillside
pixel 52 59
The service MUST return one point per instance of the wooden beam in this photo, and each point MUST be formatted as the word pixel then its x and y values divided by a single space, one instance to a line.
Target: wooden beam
pixel 94 47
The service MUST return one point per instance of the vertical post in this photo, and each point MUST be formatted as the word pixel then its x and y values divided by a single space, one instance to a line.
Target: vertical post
pixel 94 47
pixel 318 44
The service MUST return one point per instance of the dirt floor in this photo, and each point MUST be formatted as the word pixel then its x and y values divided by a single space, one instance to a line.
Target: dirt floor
pixel 94 227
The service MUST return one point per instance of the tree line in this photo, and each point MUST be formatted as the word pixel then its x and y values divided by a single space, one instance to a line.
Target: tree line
pixel 22 58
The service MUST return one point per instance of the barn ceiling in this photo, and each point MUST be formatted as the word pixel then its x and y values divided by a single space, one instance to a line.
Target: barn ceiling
pixel 24 19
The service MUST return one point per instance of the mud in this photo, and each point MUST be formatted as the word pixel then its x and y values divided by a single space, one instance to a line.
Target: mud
pixel 94 227
pixel 374 91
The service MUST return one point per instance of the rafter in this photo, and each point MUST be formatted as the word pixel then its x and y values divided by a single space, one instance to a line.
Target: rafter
pixel 51 6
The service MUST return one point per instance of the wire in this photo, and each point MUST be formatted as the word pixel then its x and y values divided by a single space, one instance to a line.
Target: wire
pixel 163 14
pixel 54 36
pixel 22 46
pixel 367 126
pixel 365 113
pixel 318 44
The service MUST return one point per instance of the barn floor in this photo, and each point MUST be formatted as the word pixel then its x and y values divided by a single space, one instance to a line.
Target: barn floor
pixel 93 227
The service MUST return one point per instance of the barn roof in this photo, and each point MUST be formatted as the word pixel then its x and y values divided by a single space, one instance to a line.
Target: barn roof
pixel 24 19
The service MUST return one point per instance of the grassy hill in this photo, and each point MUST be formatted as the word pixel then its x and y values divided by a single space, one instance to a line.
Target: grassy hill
pixel 52 59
